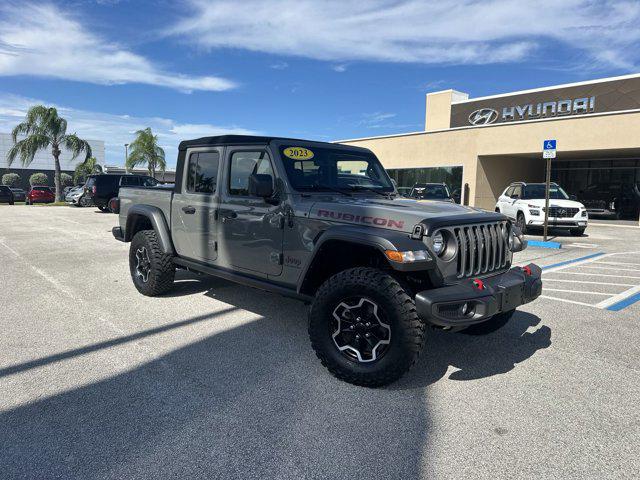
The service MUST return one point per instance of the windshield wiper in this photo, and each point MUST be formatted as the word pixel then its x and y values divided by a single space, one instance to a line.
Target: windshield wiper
pixel 370 189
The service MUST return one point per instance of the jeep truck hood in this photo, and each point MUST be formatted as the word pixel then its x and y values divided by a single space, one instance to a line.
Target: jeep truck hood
pixel 399 214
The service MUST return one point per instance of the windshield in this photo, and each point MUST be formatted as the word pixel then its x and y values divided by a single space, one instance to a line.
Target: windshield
pixel 536 192
pixel 430 192
pixel 321 168
pixel 42 189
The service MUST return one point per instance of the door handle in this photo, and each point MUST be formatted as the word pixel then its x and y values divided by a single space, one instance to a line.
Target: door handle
pixel 189 210
pixel 229 216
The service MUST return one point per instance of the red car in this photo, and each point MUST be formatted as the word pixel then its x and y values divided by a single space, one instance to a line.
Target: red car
pixel 40 194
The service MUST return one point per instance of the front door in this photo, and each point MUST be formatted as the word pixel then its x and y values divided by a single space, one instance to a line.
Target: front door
pixel 251 229
pixel 193 209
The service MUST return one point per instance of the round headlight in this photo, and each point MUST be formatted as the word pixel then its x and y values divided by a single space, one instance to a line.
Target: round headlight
pixel 437 243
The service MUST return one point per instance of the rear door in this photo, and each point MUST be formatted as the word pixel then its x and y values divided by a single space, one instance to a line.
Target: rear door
pixel 194 207
pixel 251 229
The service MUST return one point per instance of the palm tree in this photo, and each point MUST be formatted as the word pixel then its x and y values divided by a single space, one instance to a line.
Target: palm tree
pixel 144 150
pixel 86 168
pixel 43 129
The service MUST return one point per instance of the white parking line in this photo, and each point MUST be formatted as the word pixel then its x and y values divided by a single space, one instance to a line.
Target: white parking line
pixel 577 291
pixel 585 281
pixel 619 263
pixel 567 301
pixel 617 298
pixel 586 267
pixel 591 274
pixel 615 269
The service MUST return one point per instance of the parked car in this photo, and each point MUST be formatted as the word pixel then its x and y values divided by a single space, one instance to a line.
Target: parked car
pixel 525 203
pixel 287 216
pixel 40 194
pixel 19 195
pixel 613 200
pixel 431 191
pixel 77 197
pixel 100 189
pixel 6 195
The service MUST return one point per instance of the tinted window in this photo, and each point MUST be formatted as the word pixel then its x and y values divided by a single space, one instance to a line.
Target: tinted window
pixel 4 189
pixel 148 182
pixel 91 181
pixel 44 189
pixel 129 180
pixel 533 192
pixel 203 172
pixel 430 192
pixel 243 165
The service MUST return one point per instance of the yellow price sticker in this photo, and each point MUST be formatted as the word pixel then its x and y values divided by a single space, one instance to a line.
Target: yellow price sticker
pixel 298 153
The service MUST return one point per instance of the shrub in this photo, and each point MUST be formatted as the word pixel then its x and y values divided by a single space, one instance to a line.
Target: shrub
pixel 38 179
pixel 66 180
pixel 10 179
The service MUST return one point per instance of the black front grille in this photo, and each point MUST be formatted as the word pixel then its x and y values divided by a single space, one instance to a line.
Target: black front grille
pixel 482 248
pixel 562 212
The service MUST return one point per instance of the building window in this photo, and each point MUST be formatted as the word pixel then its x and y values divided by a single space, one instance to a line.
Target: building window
pixel 406 178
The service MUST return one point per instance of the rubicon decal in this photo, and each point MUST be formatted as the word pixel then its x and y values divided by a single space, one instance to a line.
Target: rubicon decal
pixel 348 217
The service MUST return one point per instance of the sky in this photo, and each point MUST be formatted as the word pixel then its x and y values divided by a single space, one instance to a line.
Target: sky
pixel 314 69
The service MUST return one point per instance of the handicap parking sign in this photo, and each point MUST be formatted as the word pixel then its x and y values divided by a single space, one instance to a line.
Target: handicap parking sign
pixel 549 145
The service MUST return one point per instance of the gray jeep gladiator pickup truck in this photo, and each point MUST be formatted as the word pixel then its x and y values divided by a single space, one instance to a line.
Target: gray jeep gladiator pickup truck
pixel 323 223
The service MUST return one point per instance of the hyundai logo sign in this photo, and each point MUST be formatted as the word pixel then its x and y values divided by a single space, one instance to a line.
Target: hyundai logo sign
pixel 484 116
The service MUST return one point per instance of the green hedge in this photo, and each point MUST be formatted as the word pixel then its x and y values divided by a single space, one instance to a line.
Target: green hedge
pixel 38 179
pixel 10 179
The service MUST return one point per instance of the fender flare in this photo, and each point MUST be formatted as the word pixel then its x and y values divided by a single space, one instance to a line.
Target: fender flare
pixel 380 239
pixel 158 222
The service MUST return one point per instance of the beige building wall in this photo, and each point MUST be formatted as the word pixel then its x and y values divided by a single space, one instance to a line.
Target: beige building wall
pixel 489 154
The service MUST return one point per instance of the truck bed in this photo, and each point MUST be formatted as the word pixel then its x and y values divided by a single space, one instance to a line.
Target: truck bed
pixel 159 196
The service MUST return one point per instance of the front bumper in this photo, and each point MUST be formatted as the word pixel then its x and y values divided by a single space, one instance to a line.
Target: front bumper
pixel 580 222
pixel 474 301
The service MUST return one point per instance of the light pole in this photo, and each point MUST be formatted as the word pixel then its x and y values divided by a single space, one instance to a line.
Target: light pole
pixel 126 155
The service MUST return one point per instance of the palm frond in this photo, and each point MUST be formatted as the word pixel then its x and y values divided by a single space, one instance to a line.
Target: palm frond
pixel 26 149
pixel 76 145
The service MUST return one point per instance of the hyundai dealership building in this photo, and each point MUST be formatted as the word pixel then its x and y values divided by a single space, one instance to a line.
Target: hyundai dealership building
pixel 480 145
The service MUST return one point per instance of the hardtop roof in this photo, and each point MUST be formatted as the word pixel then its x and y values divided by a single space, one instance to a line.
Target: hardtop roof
pixel 220 140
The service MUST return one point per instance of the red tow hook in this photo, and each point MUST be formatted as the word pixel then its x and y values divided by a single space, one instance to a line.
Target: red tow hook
pixel 527 270
pixel 479 284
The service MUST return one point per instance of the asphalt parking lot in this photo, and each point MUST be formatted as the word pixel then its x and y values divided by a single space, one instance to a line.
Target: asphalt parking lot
pixel 219 381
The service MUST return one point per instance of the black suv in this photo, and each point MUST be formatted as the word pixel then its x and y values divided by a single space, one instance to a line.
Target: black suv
pixel 431 191
pixel 102 188
pixel 6 195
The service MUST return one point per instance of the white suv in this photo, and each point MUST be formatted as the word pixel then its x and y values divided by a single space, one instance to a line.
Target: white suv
pixel 524 203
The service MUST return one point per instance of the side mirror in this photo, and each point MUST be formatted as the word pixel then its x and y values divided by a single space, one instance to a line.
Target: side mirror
pixel 517 242
pixel 573 197
pixel 260 185
pixel 515 196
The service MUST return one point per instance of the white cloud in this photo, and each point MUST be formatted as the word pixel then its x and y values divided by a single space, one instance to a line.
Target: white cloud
pixel 339 68
pixel 43 40
pixel 432 32
pixel 279 66
pixel 375 119
pixel 115 130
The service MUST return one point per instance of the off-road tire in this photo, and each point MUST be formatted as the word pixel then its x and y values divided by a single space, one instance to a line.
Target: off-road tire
pixel 162 269
pixel 407 330
pixel 521 223
pixel 495 323
pixel 577 232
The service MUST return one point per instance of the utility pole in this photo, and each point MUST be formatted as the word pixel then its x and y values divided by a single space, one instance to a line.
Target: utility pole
pixel 126 156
